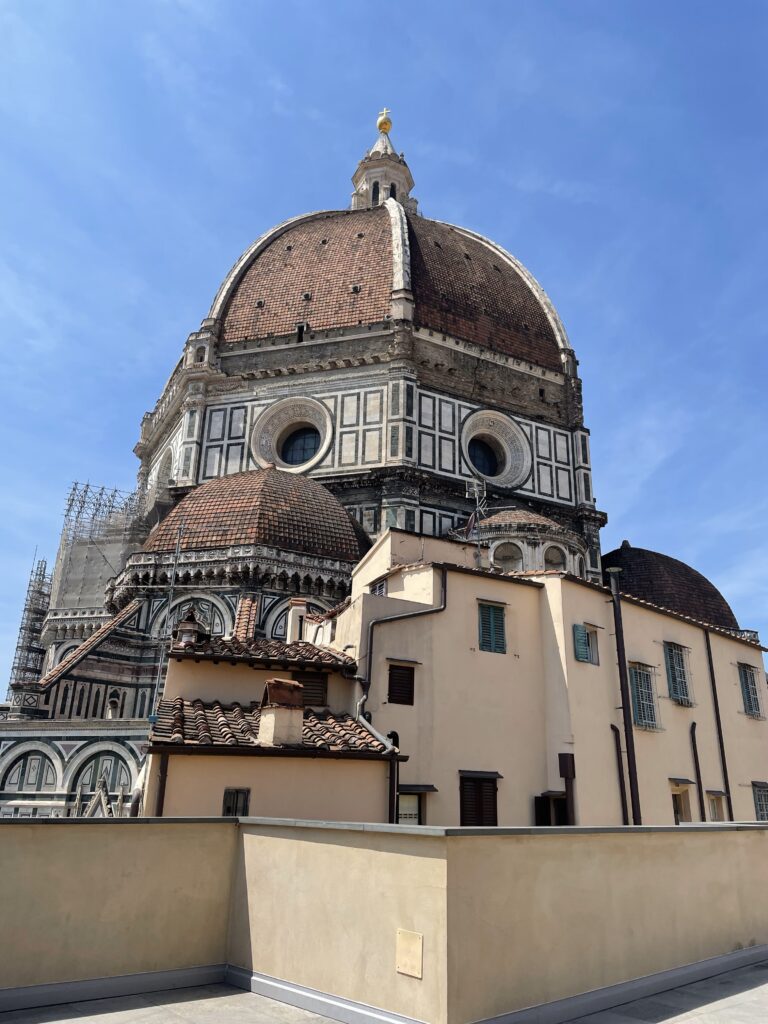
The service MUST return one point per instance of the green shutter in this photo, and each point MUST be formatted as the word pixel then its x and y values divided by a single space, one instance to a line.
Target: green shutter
pixel 491 629
pixel 581 642
pixel 749 690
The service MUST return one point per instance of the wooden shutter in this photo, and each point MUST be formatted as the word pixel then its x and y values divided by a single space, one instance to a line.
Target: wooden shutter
pixel 677 680
pixel 491 628
pixel 315 688
pixel 477 801
pixel 749 690
pixel 581 642
pixel 400 684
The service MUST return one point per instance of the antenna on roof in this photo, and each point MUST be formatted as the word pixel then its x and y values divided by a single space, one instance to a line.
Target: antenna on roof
pixel 476 489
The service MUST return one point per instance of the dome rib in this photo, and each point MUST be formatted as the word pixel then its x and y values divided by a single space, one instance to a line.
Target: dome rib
pixel 263 506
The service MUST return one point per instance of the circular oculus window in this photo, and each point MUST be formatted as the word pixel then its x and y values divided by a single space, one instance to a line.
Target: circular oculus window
pixel 496 449
pixel 294 434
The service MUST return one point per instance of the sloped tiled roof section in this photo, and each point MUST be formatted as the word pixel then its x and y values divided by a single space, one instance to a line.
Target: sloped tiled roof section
pixel 463 288
pixel 324 258
pixel 669 583
pixel 199 724
pixel 262 506
pixel 296 654
pixel 91 644
pixel 519 517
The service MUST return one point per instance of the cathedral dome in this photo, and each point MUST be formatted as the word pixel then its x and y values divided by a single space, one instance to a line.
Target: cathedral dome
pixel 669 583
pixel 268 506
pixel 343 269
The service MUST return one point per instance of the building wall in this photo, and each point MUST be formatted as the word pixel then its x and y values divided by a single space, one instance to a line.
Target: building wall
pixel 281 787
pixel 98 900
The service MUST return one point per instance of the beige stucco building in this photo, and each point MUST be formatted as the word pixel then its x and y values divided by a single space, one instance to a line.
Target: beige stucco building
pixel 504 691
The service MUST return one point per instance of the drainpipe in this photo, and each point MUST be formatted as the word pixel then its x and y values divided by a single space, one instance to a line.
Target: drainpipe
pixel 719 725
pixel 626 703
pixel 697 769
pixel 620 768
pixel 365 681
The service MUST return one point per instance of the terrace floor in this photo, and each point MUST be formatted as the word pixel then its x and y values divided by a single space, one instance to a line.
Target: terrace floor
pixel 738 997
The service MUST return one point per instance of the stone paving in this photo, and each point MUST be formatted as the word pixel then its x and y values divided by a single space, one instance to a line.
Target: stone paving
pixel 738 997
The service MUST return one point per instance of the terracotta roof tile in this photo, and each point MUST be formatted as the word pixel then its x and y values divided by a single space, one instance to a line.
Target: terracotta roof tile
pixel 262 506
pixel 198 724
pixel 261 651
pixel 246 618
pixel 324 258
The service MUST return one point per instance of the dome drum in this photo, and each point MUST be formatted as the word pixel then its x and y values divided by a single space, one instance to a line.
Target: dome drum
pixel 289 429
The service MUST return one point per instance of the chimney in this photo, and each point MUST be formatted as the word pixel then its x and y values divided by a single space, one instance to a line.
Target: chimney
pixel 297 614
pixel 282 714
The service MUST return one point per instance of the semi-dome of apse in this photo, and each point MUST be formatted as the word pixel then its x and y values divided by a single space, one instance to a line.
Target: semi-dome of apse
pixel 667 582
pixel 268 507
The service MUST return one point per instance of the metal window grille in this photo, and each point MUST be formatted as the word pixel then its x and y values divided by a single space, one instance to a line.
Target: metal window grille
pixel 761 802
pixel 491 629
pixel 379 588
pixel 749 691
pixel 677 674
pixel 643 702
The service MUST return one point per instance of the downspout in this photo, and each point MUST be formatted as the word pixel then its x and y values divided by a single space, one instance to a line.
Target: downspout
pixel 620 768
pixel 719 725
pixel 697 769
pixel 626 703
pixel 365 681
pixel 160 801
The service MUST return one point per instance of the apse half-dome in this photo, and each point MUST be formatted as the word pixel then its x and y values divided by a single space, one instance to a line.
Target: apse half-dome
pixel 672 584
pixel 267 506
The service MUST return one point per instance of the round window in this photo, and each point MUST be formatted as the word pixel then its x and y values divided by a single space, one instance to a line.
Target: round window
pixel 508 557
pixel 554 558
pixel 300 446
pixel 483 457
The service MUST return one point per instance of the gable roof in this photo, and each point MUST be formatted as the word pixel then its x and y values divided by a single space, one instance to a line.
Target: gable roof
pixel 258 651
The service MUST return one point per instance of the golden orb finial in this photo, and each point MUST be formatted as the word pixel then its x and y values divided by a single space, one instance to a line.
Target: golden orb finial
pixel 384 122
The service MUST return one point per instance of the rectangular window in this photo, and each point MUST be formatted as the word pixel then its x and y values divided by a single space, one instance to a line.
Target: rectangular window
pixel 643 700
pixel 379 588
pixel 749 691
pixel 409 442
pixel 676 661
pixel 585 643
pixel 681 805
pixel 491 628
pixel 409 400
pixel 315 688
pixel 400 684
pixel 236 803
pixel 477 800
pixel 715 807
pixel 409 809
pixel 760 794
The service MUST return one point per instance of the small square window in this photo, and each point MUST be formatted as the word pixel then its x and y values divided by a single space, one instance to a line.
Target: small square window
pixel 236 802
pixel 400 684
pixel 585 643
pixel 379 588
pixel 315 685
pixel 491 628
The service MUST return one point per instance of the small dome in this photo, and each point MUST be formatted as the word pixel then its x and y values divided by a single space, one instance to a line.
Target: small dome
pixel 267 506
pixel 669 583
pixel 519 518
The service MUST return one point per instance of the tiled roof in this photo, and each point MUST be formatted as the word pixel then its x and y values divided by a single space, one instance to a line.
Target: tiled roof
pixel 197 724
pixel 246 618
pixel 324 258
pixel 518 517
pixel 331 613
pixel 262 506
pixel 461 287
pixel 669 583
pixel 264 652
pixel 89 645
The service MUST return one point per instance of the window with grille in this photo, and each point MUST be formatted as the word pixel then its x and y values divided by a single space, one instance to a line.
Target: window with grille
pixel 761 802
pixel 477 800
pixel 409 809
pixel 236 803
pixel 315 688
pixel 643 700
pixel 400 684
pixel 676 661
pixel 379 588
pixel 491 629
pixel 749 691
pixel 585 643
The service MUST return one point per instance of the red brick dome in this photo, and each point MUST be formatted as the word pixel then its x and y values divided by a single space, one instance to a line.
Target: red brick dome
pixel 266 506
pixel 339 269
pixel 670 583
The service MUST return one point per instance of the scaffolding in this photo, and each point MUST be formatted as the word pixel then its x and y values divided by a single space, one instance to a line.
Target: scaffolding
pixel 92 511
pixel 28 659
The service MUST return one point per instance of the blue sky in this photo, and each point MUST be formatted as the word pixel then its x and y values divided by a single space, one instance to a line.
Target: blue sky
pixel 618 149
